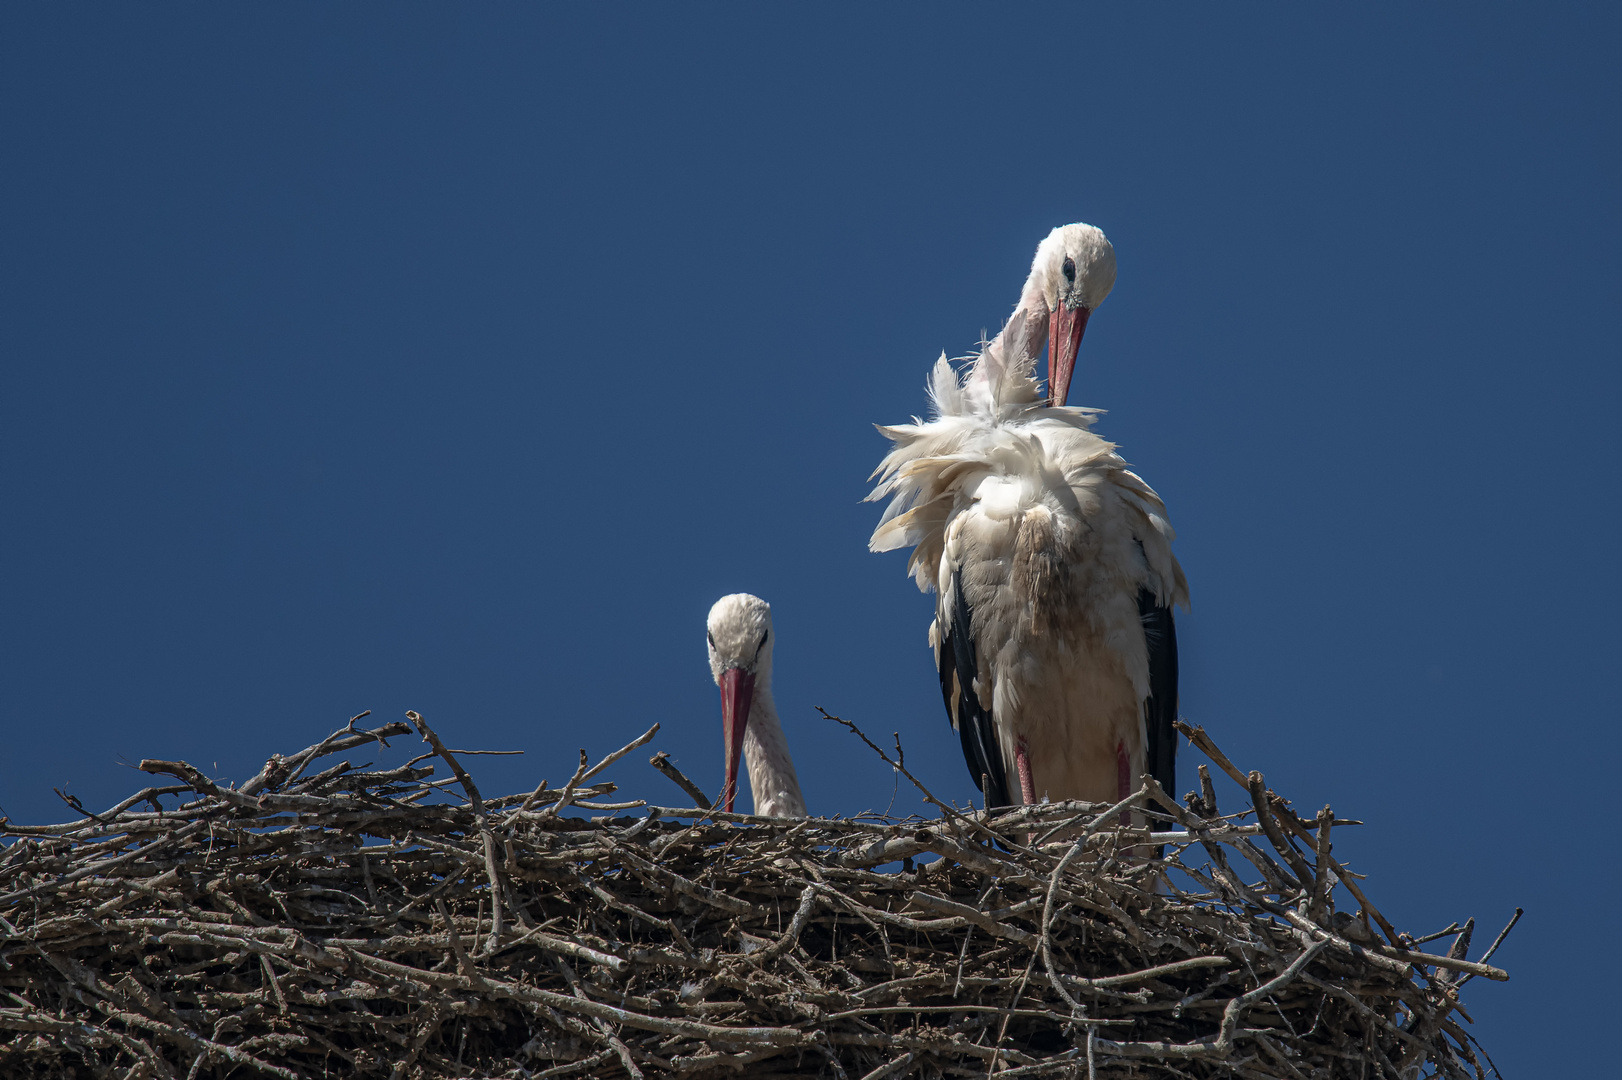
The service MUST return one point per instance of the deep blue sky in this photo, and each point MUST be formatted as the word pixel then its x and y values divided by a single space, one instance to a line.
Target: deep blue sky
pixel 457 358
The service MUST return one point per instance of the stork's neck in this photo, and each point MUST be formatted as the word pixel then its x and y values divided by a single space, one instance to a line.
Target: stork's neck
pixel 1005 374
pixel 1028 325
pixel 772 782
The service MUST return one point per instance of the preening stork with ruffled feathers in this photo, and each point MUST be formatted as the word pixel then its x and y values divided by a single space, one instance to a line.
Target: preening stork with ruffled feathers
pixel 1051 559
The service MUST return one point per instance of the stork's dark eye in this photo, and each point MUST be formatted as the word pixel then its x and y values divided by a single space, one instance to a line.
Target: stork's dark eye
pixel 711 637
pixel 1069 269
pixel 764 635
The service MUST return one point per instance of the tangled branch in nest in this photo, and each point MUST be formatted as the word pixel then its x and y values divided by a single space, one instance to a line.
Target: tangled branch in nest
pixel 345 923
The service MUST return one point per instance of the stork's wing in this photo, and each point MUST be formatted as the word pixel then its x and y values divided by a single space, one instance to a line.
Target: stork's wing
pixel 1160 710
pixel 955 657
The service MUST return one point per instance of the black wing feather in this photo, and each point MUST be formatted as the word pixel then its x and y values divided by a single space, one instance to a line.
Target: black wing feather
pixel 959 666
pixel 1160 710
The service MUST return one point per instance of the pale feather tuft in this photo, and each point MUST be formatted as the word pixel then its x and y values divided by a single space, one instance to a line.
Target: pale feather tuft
pixel 944 389
pixel 980 424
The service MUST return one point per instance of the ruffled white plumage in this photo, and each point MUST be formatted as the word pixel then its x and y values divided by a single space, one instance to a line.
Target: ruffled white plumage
pixel 991 421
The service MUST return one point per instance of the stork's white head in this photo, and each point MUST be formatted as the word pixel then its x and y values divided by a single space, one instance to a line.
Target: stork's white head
pixel 740 641
pixel 1074 270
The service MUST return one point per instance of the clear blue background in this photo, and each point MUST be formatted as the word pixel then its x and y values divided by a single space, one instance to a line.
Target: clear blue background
pixel 457 358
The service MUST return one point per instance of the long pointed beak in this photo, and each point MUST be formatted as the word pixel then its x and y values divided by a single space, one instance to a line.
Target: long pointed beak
pixel 737 691
pixel 1065 327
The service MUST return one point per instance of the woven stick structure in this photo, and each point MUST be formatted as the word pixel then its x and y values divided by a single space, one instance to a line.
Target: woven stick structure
pixel 356 922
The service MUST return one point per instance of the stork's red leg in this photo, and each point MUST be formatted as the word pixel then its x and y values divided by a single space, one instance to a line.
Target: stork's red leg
pixel 1022 762
pixel 1123 780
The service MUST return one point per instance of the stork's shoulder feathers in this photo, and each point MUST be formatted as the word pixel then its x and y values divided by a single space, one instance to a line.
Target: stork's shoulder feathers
pixel 935 466
pixel 993 462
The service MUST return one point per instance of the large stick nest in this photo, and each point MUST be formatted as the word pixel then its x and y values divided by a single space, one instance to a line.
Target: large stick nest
pixel 346 922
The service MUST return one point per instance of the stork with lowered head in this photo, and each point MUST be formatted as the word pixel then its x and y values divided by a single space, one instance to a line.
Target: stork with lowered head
pixel 739 633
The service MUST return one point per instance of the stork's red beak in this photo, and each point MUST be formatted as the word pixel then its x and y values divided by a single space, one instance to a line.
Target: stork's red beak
pixel 737 691
pixel 1065 327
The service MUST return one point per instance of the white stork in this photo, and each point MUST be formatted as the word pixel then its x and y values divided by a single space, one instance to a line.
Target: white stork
pixel 1052 560
pixel 740 641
